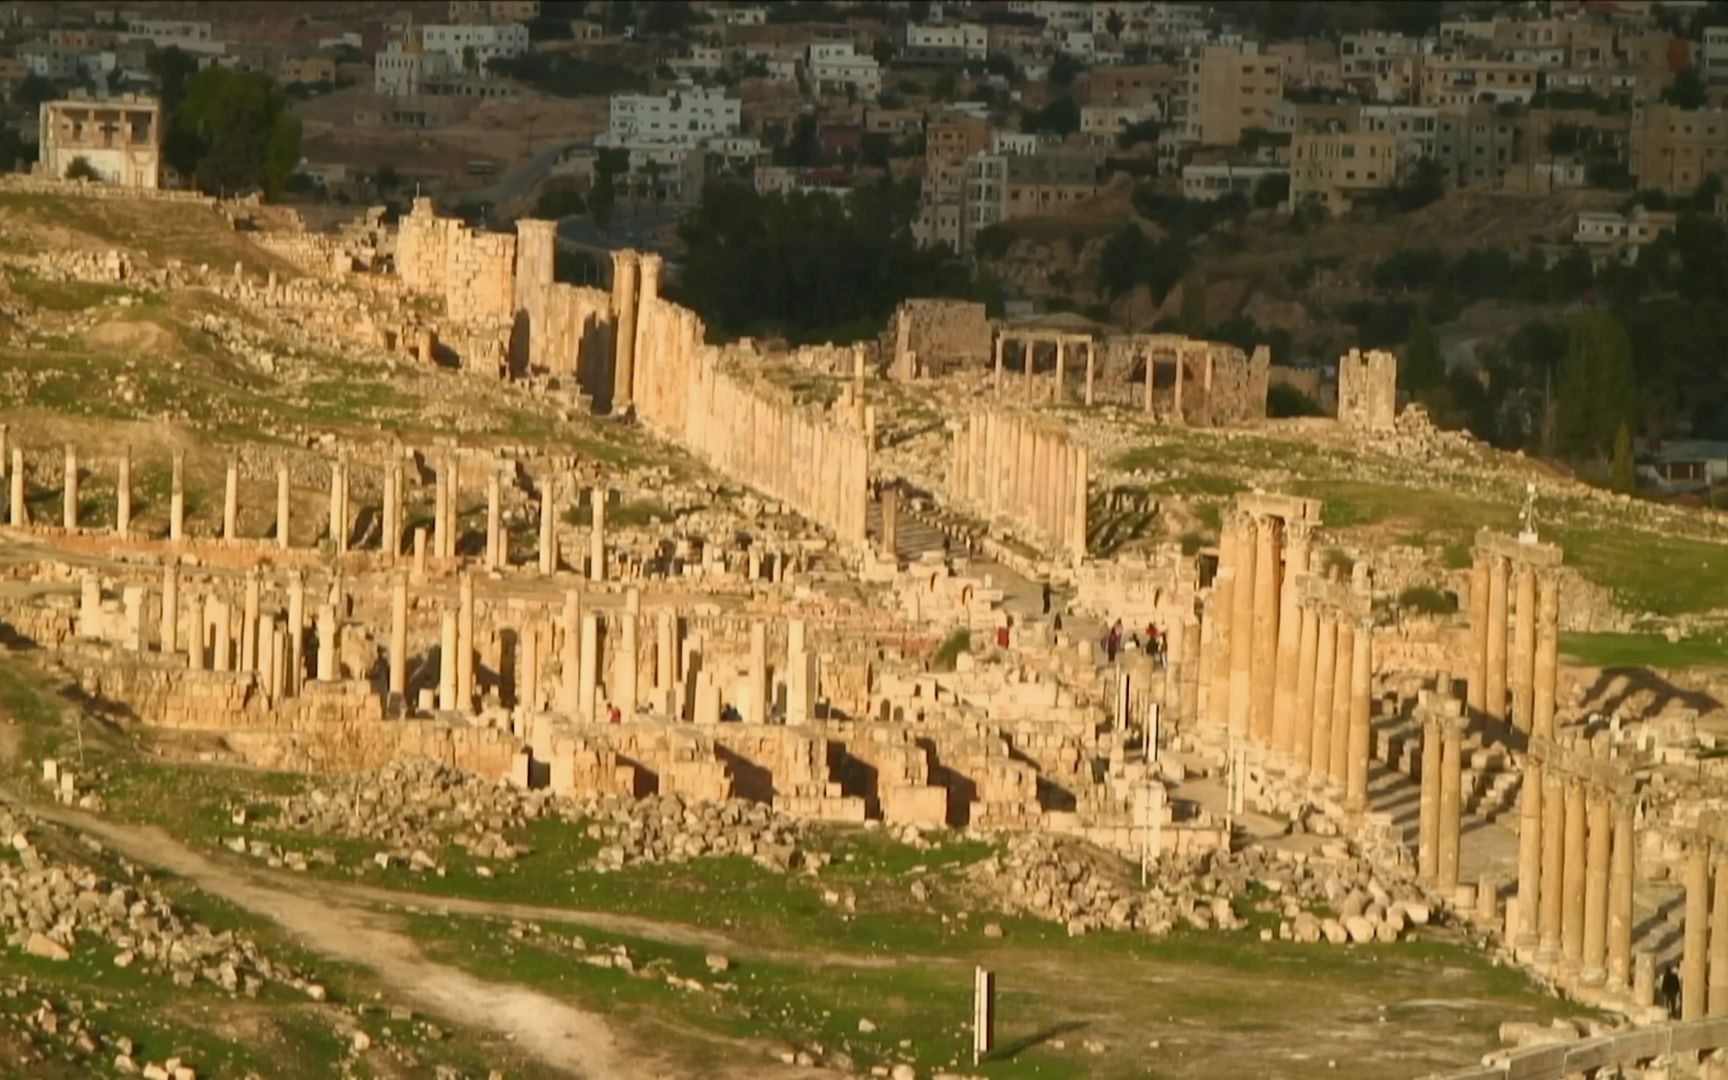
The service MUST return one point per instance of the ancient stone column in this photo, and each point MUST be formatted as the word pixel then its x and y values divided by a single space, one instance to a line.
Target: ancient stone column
pixel 1091 366
pixel 447 649
pixel 123 495
pixel 390 542
pixel 453 510
pixel 398 636
pixel 756 707
pixel 1263 661
pixel 282 507
pixel 996 384
pixel 465 642
pixel 231 502
pixel 666 661
pixel 1476 688
pixel 493 521
pixel 1361 733
pixel 1058 389
pixel 1494 682
pixel 1547 661
pixel 890 522
pixel 1289 638
pixel 170 632
pixel 1146 396
pixel 440 510
pixel 625 270
pixel 328 667
pixel 264 634
pixel 1694 949
pixel 1523 647
pixel 177 500
pixel 528 681
pixel 1529 852
pixel 296 631
pixel 1242 627
pixel 222 642
pixel 590 666
pixel 338 519
pixel 1451 807
pixel 249 623
pixel 1338 756
pixel 597 536
pixel 1325 678
pixel 1600 825
pixel 570 624
pixel 1428 808
pixel 1620 886
pixel 1572 877
pixel 1302 718
pixel 69 490
pixel 622 690
pixel 1716 983
pixel 1553 903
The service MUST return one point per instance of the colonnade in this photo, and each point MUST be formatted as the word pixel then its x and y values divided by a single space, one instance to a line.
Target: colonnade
pixel 1286 651
pixel 446 510
pixel 1025 469
pixel 1513 672
pixel 1576 856
pixel 1029 340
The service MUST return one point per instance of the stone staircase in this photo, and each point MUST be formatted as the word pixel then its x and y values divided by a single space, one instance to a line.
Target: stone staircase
pixel 1490 780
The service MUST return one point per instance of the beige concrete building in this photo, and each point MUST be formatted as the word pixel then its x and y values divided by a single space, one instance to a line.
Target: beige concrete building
pixel 954 137
pixel 121 139
pixel 1332 169
pixel 1225 92
pixel 1674 149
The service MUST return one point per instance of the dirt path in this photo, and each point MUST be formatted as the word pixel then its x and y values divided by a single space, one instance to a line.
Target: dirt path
pixel 554 1031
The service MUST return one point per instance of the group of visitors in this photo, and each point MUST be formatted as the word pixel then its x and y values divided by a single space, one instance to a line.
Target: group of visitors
pixel 1154 642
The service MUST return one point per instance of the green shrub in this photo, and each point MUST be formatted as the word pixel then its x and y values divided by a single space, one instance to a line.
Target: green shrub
pixel 947 653
pixel 1427 600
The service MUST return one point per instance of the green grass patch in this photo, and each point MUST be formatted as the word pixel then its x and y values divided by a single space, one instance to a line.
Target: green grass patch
pixel 1645 651
pixel 948 653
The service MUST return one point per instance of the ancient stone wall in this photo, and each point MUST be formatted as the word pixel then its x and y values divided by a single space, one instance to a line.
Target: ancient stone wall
pixel 934 336
pixel 1023 469
pixel 1368 390
pixel 559 328
pixel 692 393
pixel 473 272
pixel 1238 391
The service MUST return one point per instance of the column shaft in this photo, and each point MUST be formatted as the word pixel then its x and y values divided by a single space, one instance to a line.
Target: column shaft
pixel 1524 648
pixel 1529 853
pixel 1695 943
pixel 1547 663
pixel 1620 885
pixel 1451 783
pixel 1599 846
pixel 1475 689
pixel 1572 876
pixel 1494 679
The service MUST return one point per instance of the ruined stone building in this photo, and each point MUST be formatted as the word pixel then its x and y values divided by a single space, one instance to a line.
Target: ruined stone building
pixel 121 139
pixel 1368 390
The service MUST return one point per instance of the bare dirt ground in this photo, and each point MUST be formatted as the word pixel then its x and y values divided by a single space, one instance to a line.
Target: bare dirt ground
pixel 554 1031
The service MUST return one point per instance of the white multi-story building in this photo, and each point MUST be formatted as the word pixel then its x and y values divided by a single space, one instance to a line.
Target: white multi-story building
pixel 401 71
pixel 188 35
pixel 1209 182
pixel 48 61
pixel 683 117
pixel 835 67
pixel 952 42
pixel 1414 126
pixel 475 42
pixel 1714 55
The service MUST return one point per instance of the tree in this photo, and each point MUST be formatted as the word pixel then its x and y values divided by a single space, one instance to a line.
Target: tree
pixel 1597 390
pixel 1060 117
pixel 81 169
pixel 33 91
pixel 1272 190
pixel 386 179
pixel 1114 23
pixel 1193 315
pixel 1063 69
pixel 603 199
pixel 809 266
pixel 232 133
pixel 559 199
pixel 1423 367
pixel 1426 183
pixel 1687 92
pixel 1620 475
pixel 993 241
pixel 1145 131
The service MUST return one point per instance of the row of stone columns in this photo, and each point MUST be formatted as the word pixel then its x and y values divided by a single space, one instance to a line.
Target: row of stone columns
pixel 445 512
pixel 1704 947
pixel 1513 673
pixel 1028 342
pixel 681 686
pixel 1576 845
pixel 1287 659
pixel 1015 466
